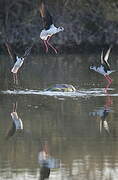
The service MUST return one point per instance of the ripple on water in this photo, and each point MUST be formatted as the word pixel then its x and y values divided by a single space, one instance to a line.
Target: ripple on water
pixel 80 93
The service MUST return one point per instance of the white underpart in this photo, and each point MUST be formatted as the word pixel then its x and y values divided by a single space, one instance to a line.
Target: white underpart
pixel 17 120
pixel 47 33
pixel 100 70
pixel 17 65
pixel 42 156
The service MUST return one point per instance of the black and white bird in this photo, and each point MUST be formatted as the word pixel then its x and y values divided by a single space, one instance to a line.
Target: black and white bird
pixel 103 113
pixel 17 124
pixel 49 28
pixel 18 61
pixel 104 67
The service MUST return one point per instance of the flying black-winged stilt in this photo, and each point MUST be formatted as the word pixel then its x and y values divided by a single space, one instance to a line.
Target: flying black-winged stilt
pixel 104 67
pixel 49 27
pixel 18 61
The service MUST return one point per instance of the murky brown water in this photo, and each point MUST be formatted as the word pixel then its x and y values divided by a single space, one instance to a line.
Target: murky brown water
pixel 63 137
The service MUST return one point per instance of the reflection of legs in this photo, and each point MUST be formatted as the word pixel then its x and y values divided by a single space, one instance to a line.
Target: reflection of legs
pixel 106 88
pixel 15 107
pixel 109 102
pixel 108 79
pixel 51 44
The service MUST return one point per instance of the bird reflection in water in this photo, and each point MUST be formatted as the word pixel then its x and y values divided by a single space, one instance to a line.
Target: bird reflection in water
pixel 46 162
pixel 103 114
pixel 17 124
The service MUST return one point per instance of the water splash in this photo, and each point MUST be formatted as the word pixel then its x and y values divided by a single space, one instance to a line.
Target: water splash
pixel 81 93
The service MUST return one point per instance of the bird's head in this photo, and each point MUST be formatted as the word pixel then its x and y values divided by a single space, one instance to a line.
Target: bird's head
pixel 92 67
pixel 22 58
pixel 60 29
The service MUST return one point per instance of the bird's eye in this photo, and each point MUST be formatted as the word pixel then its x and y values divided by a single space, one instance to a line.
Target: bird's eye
pixel 61 27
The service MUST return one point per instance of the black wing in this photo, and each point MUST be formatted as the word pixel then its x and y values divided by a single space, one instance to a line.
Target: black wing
pixel 27 52
pixel 107 55
pixel 104 59
pixel 46 17
pixel 105 114
pixel 106 67
pixel 11 52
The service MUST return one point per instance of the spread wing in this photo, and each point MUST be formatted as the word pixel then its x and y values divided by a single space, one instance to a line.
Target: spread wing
pixel 27 52
pixel 107 55
pixel 102 60
pixel 46 17
pixel 11 53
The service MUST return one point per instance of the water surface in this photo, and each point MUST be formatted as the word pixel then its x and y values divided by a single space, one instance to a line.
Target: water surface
pixel 78 132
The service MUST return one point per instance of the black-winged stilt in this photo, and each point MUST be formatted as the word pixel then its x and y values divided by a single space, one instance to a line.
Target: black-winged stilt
pixel 18 61
pixel 104 67
pixel 49 27
pixel 17 124
pixel 16 120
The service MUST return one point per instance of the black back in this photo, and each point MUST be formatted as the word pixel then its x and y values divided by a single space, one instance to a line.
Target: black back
pixel 46 16
pixel 106 67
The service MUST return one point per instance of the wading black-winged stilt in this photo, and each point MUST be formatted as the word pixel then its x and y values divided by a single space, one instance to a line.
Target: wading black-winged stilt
pixel 18 61
pixel 49 27
pixel 104 67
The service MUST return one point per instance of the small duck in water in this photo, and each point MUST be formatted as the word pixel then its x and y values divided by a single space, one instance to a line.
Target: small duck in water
pixel 61 88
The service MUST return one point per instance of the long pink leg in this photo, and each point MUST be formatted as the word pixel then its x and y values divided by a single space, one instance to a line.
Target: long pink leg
pixel 109 82
pixel 51 45
pixel 106 88
pixel 45 42
pixel 15 78
pixel 108 79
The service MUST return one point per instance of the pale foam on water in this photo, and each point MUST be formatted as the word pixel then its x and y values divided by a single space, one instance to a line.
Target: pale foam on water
pixel 80 93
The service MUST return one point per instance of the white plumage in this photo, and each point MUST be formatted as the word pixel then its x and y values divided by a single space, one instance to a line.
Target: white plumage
pixel 101 70
pixel 17 121
pixel 18 64
pixel 48 33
